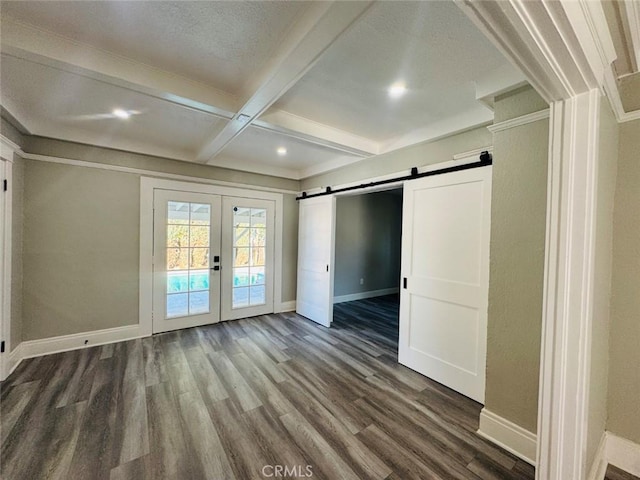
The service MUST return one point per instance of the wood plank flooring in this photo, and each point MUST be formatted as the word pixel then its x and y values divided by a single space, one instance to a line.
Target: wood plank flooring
pixel 237 400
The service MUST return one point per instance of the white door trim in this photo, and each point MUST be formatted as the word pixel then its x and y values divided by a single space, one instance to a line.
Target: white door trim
pixel 568 288
pixel 147 186
pixel 7 150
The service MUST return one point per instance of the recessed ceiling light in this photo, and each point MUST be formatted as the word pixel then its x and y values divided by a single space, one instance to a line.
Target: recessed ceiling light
pixel 397 90
pixel 118 112
pixel 281 151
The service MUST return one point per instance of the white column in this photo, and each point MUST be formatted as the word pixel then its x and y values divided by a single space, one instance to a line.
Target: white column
pixel 568 291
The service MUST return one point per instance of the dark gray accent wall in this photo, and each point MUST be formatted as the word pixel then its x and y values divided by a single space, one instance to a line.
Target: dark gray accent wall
pixel 368 236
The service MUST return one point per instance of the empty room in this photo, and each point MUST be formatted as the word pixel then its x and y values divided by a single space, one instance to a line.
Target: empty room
pixel 320 239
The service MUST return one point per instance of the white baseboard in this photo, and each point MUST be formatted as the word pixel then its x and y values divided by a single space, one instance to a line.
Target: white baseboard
pixel 513 438
pixel 13 360
pixel 289 306
pixel 599 467
pixel 64 343
pixel 362 295
pixel 623 454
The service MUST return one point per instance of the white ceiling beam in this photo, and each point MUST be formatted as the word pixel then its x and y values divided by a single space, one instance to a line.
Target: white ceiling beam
pixel 286 123
pixel 46 48
pixel 318 28
pixel 499 81
pixel 477 117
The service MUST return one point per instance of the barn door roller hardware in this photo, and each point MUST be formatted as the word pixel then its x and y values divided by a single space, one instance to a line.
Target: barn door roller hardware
pixel 485 159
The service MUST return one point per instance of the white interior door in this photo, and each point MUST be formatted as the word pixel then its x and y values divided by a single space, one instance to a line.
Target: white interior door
pixel 445 270
pixel 247 257
pixel 315 259
pixel 186 254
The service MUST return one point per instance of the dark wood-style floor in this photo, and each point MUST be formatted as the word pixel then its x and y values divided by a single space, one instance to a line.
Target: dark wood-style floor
pixel 226 400
pixel 614 473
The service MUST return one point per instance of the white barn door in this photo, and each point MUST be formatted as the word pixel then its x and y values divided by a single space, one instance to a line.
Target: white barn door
pixel 316 242
pixel 445 271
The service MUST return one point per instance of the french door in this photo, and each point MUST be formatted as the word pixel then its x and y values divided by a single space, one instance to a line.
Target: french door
pixel 212 258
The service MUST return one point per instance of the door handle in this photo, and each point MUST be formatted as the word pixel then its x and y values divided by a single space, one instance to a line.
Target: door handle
pixel 216 268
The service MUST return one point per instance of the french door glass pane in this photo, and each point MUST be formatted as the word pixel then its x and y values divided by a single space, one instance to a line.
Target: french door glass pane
pixel 188 248
pixel 257 295
pixel 249 250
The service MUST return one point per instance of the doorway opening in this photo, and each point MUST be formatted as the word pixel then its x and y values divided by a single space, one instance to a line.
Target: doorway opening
pixel 368 243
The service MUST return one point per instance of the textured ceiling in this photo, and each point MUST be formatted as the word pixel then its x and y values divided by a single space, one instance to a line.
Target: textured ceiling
pixel 72 107
pixel 218 43
pixel 320 71
pixel 431 46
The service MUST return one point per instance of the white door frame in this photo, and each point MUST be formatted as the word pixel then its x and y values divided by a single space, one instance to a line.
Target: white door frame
pixel 7 150
pixel 147 186
pixel 565 50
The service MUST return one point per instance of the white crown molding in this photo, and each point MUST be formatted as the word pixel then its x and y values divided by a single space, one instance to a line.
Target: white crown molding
pixel 8 148
pixel 508 435
pixel 472 155
pixel 519 121
pixel 150 173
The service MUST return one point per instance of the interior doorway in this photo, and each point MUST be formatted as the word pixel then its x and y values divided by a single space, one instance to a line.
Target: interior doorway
pixel 367 245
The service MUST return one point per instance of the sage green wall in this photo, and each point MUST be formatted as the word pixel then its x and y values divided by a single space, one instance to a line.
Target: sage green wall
pixel 81 237
pixel 419 155
pixel 518 224
pixel 81 249
pixel 624 354
pixel 517 103
pixel 17 191
pixel 289 248
pixel 368 242
pixel 606 184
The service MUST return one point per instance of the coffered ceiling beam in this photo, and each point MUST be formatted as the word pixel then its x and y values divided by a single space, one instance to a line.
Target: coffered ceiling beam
pixel 318 28
pixel 29 43
pixel 301 128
